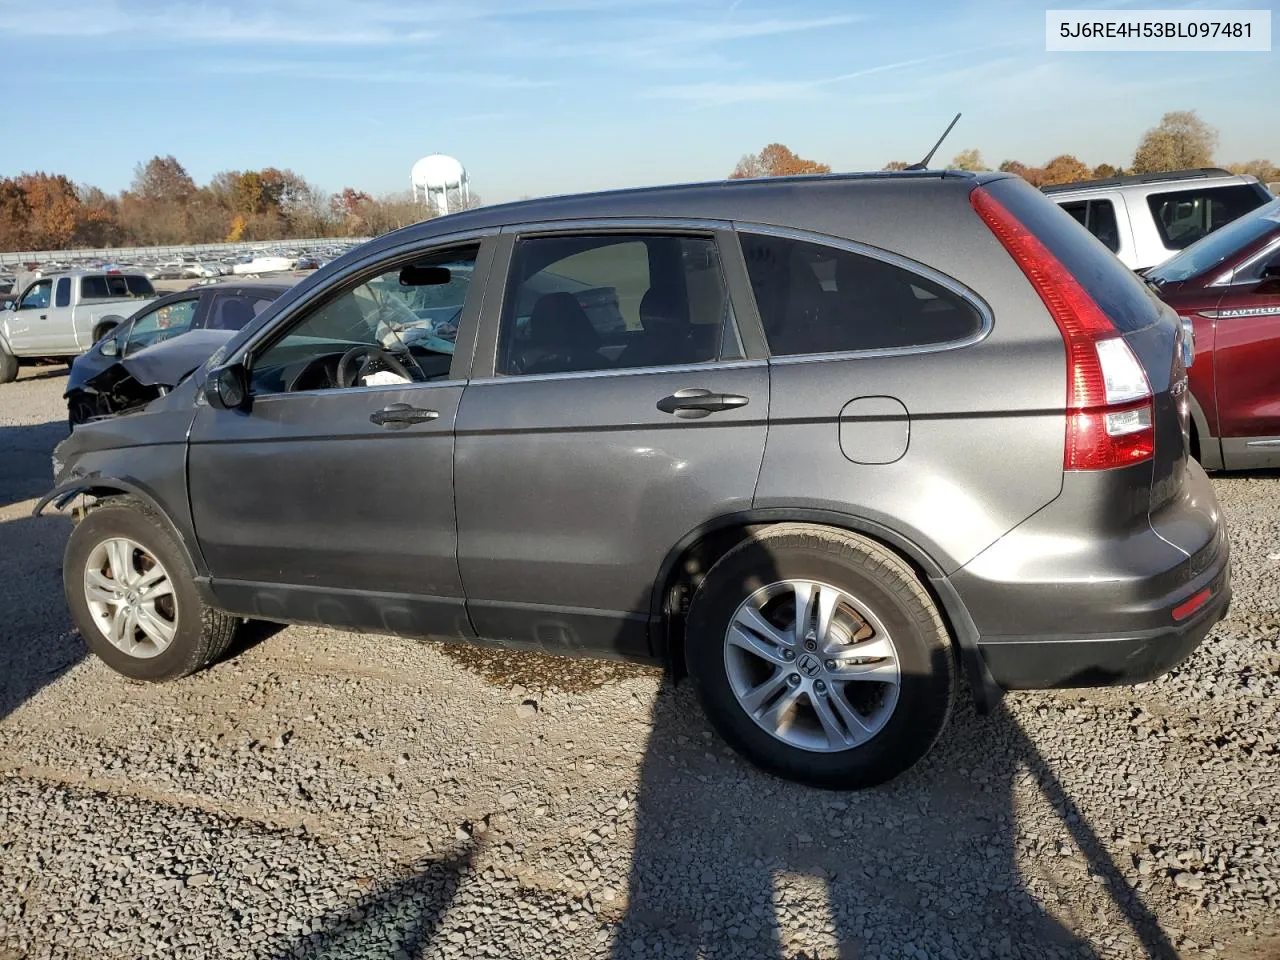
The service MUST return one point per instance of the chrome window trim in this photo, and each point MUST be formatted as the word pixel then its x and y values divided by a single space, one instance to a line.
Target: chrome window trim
pixel 261 398
pixel 623 372
pixel 605 225
pixel 893 259
pixel 1228 277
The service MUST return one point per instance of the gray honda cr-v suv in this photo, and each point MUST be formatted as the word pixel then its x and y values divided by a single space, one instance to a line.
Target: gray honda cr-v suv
pixel 825 442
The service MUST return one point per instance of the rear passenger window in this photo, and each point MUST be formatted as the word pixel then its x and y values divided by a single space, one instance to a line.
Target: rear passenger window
pixel 618 301
pixel 815 298
pixel 62 296
pixel 1184 216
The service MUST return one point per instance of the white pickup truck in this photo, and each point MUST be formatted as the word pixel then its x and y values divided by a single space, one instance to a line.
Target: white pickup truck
pixel 62 315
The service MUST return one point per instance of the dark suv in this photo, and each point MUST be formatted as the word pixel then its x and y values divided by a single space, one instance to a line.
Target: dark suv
pixel 1227 286
pixel 825 442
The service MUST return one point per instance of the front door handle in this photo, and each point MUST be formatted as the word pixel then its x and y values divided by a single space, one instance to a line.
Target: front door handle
pixel 397 416
pixel 694 402
pixel 44 316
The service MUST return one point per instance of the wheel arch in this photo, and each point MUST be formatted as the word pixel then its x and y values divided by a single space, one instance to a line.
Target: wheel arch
pixel 688 561
pixel 103 488
pixel 1207 448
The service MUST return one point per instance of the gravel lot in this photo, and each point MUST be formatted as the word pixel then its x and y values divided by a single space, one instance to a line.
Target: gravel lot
pixel 322 794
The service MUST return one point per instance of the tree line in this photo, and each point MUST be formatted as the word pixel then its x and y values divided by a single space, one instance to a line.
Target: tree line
pixel 163 205
pixel 1181 141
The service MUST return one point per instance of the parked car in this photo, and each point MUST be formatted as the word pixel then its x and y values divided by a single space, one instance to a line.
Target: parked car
pixel 855 434
pixel 61 315
pixel 127 368
pixel 1147 218
pixel 1228 287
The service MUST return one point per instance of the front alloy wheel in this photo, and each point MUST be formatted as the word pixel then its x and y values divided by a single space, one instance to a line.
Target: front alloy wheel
pixel 130 596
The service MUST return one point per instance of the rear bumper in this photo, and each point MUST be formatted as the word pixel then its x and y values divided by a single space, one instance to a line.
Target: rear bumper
pixel 1101 661
pixel 1052 606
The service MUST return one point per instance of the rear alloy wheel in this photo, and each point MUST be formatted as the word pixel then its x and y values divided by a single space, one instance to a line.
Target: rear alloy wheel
pixel 811 665
pixel 818 654
pixel 132 593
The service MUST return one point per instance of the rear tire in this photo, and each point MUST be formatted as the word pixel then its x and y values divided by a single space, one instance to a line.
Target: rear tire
pixel 132 594
pixel 102 329
pixel 855 697
pixel 8 366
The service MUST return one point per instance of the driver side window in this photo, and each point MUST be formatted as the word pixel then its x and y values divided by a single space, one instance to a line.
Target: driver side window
pixel 397 327
pixel 37 296
pixel 168 321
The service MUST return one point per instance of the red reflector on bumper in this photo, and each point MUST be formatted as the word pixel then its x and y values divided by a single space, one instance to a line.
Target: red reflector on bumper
pixel 1186 609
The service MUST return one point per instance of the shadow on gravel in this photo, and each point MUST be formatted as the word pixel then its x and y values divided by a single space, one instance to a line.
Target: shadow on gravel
pixel 38 642
pixel 925 866
pixel 400 920
pixel 26 468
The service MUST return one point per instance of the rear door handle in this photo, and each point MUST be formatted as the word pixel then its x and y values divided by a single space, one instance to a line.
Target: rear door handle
pixel 397 416
pixel 694 402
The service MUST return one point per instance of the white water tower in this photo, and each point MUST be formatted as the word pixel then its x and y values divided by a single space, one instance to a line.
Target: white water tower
pixel 436 175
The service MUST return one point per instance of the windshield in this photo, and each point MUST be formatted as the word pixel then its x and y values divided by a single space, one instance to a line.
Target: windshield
pixel 1207 253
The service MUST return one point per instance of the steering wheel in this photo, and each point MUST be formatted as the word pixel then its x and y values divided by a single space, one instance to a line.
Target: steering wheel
pixel 349 373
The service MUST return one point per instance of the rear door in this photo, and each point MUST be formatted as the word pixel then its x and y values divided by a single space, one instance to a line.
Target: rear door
pixel 614 409
pixel 1246 359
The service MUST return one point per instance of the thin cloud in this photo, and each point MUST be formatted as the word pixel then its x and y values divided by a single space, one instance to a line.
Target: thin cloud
pixel 721 94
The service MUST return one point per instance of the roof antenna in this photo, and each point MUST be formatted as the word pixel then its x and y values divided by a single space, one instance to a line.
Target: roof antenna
pixel 924 164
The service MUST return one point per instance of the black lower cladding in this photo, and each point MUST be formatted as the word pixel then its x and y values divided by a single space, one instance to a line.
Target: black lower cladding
pixel 1103 661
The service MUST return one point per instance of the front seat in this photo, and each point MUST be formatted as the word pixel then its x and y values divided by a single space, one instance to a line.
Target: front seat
pixel 561 337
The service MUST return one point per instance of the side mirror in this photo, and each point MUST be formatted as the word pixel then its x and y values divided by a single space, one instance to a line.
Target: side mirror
pixel 226 387
pixel 110 347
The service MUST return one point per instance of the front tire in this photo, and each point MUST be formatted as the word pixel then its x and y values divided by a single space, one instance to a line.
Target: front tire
pixel 132 594
pixel 849 693
pixel 8 366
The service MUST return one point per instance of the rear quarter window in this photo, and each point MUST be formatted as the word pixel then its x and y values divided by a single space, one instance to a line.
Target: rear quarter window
pixel 814 298
pixel 1184 216
pixel 1113 286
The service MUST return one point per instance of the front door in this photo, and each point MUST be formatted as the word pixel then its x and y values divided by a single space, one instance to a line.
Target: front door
pixel 1246 360
pixel 330 500
pixel 621 415
pixel 29 322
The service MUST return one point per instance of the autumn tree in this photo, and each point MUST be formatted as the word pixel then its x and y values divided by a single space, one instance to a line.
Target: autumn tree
pixel 970 159
pixel 53 209
pixel 896 165
pixel 14 215
pixel 1064 169
pixel 1182 141
pixel 1104 170
pixel 164 180
pixel 776 160
pixel 1033 175
pixel 1264 170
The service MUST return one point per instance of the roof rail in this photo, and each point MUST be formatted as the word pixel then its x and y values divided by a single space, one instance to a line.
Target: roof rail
pixel 1199 173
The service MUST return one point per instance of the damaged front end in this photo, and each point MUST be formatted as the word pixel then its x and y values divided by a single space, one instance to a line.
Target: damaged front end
pixel 132 382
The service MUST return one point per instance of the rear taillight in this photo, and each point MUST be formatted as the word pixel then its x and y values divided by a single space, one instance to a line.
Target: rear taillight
pixel 1109 404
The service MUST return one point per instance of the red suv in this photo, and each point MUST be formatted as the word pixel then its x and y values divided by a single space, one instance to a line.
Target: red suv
pixel 1227 286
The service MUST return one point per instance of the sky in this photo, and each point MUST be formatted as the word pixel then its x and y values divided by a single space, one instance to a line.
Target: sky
pixel 540 97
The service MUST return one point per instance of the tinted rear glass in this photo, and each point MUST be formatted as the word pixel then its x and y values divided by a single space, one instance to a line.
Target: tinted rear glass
pixel 1113 286
pixel 1185 216
pixel 115 285
pixel 814 298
